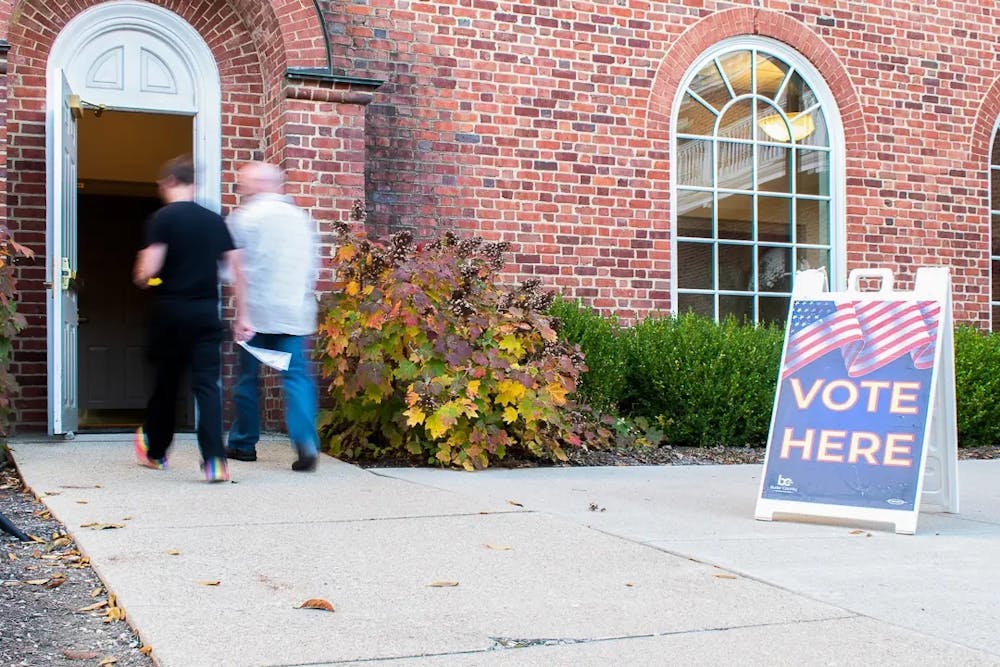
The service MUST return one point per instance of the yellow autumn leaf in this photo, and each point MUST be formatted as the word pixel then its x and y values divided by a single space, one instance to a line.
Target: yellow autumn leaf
pixel 443 584
pixel 509 415
pixel 414 416
pixel 346 253
pixel 508 391
pixel 510 343
pixel 146 650
pixel 558 392
pixel 352 288
pixel 435 425
pixel 472 389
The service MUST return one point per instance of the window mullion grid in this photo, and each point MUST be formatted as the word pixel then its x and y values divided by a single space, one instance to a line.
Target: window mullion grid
pixel 754 227
pixel 715 220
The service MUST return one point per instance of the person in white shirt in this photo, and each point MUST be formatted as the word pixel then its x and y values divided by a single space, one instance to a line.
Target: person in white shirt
pixel 278 243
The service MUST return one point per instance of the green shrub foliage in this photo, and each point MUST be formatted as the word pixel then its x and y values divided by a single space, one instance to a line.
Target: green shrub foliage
pixel 424 354
pixel 977 386
pixel 704 383
pixel 600 341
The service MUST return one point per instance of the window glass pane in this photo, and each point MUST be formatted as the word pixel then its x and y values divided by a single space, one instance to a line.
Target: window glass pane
pixel 740 307
pixel 812 258
pixel 774 125
pixel 770 73
pixel 810 129
pixel 694 265
pixel 995 189
pixel 774 272
pixel 995 160
pixel 694 118
pixel 735 216
pixel 774 168
pixel 996 318
pixel 774 219
pixel 709 86
pixel 995 265
pixel 812 221
pixel 737 121
pixel 703 304
pixel 812 172
pixel 736 67
pixel 694 214
pixel 735 267
pixel 995 237
pixel 694 162
pixel 735 165
pixel 773 309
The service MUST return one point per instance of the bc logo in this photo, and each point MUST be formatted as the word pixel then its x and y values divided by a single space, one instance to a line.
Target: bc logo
pixel 785 481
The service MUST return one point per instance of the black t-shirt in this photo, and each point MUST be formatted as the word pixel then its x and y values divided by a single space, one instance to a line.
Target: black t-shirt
pixel 196 239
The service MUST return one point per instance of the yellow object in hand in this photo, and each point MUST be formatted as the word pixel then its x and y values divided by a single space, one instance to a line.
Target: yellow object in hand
pixel 153 282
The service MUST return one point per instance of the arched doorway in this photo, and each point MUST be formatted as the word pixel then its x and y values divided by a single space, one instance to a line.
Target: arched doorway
pixel 143 70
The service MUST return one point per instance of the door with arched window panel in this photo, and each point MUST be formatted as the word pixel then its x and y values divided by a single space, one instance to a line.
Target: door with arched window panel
pixel 756 181
pixel 995 230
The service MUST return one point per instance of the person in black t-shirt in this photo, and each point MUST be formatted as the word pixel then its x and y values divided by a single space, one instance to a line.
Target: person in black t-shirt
pixel 185 245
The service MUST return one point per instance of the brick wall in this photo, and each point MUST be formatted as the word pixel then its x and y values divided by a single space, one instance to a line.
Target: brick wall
pixel 547 123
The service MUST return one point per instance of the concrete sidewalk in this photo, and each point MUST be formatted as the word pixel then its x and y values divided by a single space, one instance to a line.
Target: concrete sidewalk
pixel 668 568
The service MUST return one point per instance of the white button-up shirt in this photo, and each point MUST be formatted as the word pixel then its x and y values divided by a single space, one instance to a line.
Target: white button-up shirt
pixel 279 244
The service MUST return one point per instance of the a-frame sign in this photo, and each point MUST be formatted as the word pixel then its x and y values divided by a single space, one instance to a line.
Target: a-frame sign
pixel 863 425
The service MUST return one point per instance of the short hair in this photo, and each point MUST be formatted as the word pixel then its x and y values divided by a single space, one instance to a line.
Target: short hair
pixel 180 169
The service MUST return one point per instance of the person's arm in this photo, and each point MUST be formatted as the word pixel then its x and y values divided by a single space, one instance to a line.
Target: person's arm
pixel 148 263
pixel 242 329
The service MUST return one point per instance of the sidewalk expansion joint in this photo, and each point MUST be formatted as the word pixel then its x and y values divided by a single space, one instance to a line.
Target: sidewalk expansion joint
pixel 266 524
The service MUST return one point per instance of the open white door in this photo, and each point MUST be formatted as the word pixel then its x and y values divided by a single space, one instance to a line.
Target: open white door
pixel 61 260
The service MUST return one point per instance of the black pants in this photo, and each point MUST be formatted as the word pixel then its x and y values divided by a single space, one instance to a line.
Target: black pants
pixel 185 335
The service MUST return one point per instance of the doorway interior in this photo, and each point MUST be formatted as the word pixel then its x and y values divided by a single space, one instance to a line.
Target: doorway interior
pixel 120 154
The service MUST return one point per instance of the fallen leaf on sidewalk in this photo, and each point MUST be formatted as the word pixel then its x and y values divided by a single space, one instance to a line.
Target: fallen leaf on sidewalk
pixel 97 591
pixel 79 655
pixel 856 532
pixel 107 661
pixel 81 502
pixel 514 503
pixel 146 650
pixel 48 493
pixel 127 518
pixel 58 579
pixel 94 607
pixel 36 582
pixel 496 547
pixel 173 552
pixel 629 584
pixel 726 576
pixel 443 584
pixel 94 525
pixel 316 603
pixel 11 556
pixel 213 582
pixel 58 543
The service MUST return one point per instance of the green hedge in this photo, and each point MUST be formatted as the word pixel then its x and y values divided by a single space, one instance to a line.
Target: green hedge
pixel 705 383
pixel 977 386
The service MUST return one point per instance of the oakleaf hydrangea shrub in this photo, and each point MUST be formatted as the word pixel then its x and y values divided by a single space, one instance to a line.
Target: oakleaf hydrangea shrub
pixel 425 355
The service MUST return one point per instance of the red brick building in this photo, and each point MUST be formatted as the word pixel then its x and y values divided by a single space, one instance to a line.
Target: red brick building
pixel 642 155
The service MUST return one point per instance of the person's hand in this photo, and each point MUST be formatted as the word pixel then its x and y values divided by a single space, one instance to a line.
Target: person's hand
pixel 242 331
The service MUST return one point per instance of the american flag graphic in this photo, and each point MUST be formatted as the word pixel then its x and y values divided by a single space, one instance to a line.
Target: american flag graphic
pixel 869 334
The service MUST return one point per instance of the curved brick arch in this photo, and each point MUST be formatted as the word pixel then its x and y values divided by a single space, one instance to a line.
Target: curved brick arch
pixel 292 30
pixel 763 23
pixel 984 125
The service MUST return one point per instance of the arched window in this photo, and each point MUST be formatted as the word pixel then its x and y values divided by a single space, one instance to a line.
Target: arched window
pixel 757 185
pixel 995 230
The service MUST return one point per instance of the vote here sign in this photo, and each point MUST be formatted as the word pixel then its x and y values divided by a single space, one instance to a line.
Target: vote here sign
pixel 853 403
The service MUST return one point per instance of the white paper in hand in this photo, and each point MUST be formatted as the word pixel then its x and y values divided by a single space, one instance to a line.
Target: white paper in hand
pixel 273 358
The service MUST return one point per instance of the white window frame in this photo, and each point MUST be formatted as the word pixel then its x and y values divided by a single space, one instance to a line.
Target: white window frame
pixel 835 129
pixel 991 169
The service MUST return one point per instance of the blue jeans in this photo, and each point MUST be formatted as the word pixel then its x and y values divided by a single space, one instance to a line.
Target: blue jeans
pixel 301 400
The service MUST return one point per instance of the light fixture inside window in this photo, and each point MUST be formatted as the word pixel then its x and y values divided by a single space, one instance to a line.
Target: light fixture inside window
pixel 774 126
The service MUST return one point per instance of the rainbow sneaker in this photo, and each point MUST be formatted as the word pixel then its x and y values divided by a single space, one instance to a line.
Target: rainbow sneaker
pixel 216 470
pixel 141 447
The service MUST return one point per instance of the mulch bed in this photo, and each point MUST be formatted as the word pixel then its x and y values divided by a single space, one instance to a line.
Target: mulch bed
pixel 45 586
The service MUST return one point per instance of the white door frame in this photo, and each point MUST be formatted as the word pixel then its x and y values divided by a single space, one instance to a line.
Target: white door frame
pixel 194 63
